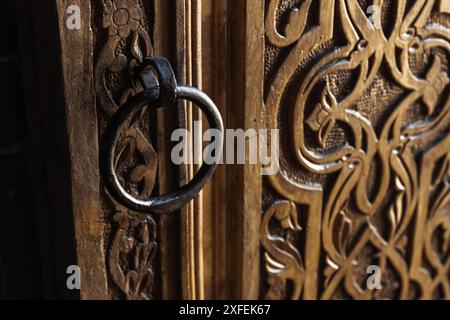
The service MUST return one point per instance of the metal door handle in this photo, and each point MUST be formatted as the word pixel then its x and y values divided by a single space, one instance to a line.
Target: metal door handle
pixel 161 89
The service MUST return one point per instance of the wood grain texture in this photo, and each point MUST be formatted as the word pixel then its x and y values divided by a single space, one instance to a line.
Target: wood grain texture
pixel 244 183
pixel 215 84
pixel 77 68
pixel 63 126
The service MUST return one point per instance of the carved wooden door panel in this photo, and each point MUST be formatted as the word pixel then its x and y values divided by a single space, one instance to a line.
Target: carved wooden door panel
pixel 359 91
pixel 363 112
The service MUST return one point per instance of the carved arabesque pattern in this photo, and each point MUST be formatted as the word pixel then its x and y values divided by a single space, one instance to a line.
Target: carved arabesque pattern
pixel 132 246
pixel 283 261
pixel 132 253
pixel 383 198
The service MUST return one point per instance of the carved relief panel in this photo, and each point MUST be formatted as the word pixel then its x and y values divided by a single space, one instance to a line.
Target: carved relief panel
pixel 364 116
pixel 122 31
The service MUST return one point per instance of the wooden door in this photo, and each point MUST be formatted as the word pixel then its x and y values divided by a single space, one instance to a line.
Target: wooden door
pixel 359 91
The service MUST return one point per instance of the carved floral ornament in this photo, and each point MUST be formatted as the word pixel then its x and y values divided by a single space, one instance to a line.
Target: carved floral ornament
pixel 132 253
pixel 389 190
pixel 133 244
pixel 122 16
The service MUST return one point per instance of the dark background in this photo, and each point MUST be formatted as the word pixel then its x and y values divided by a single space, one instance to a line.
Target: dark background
pixel 20 268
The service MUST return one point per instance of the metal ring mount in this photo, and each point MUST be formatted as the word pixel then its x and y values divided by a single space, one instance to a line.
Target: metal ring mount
pixel 155 97
pixel 164 75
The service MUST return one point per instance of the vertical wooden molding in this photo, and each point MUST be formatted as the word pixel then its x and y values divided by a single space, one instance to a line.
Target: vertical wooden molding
pixel 245 182
pixel 252 189
pixel 181 77
pixel 163 39
pixel 198 149
pixel 189 63
pixel 190 211
pixel 215 71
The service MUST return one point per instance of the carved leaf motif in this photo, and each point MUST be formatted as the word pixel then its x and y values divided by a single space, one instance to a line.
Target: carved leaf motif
pixel 330 271
pixel 130 257
pixel 297 20
pixel 445 242
pixel 295 26
pixel 344 226
pixel 396 212
pixel 402 244
pixel 119 63
pixel 134 143
pixel 135 48
pixel 322 118
pixel 287 217
pixel 283 261
pixel 437 80
pixel 138 173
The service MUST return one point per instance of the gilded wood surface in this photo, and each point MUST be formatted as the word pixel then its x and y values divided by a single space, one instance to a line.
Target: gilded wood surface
pixel 364 115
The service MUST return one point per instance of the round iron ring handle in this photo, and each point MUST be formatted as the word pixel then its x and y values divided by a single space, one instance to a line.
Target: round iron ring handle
pixel 171 201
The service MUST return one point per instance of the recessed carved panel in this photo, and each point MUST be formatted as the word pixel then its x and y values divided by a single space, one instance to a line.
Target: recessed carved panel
pixel 364 114
pixel 121 30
